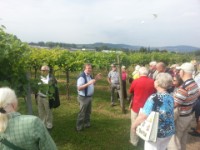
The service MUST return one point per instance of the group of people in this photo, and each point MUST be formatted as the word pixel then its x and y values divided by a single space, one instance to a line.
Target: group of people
pixel 176 88
pixel 26 131
pixel 178 92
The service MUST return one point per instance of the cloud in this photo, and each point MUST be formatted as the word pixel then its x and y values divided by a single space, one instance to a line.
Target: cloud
pixel 135 22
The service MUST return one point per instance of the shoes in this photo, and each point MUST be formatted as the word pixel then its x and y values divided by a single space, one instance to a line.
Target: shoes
pixel 194 133
pixel 87 125
pixel 132 143
pixel 49 129
pixel 78 130
pixel 113 105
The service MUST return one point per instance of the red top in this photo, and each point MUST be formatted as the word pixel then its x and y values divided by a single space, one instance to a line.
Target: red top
pixel 124 75
pixel 142 88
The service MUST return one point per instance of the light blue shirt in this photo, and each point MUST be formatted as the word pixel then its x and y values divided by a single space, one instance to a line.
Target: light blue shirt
pixel 90 90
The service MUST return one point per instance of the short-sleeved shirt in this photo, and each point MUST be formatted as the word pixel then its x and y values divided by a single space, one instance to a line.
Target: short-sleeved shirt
pixel 166 125
pixel 141 88
pixel 197 79
pixel 27 132
pixel 186 96
pixel 114 77
pixel 90 88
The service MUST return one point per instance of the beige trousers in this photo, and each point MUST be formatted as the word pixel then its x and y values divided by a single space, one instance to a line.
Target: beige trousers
pixel 45 113
pixel 179 140
pixel 134 139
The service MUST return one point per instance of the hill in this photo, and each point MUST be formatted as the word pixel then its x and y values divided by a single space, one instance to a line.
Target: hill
pixel 108 46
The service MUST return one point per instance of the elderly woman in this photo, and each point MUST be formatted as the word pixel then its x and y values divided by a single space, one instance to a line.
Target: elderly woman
pixel 124 78
pixel 20 131
pixel 165 108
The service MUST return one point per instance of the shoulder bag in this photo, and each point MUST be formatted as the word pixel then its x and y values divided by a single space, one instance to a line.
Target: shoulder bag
pixel 10 145
pixel 148 129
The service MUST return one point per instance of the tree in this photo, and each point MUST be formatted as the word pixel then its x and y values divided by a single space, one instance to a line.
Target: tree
pixel 13 67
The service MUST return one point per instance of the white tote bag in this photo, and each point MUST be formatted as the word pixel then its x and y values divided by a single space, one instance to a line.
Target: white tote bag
pixel 148 129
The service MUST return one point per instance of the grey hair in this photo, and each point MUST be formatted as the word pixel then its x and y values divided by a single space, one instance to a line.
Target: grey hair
pixel 7 97
pixel 153 63
pixel 143 71
pixel 45 68
pixel 164 80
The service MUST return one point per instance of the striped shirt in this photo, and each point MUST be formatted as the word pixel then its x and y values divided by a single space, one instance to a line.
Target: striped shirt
pixel 186 96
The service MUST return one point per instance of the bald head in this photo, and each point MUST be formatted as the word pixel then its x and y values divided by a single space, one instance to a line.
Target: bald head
pixel 160 67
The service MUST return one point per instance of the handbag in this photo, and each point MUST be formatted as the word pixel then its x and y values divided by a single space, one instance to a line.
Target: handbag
pixel 148 129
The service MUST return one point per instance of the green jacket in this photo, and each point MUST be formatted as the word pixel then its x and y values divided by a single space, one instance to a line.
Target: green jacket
pixel 27 132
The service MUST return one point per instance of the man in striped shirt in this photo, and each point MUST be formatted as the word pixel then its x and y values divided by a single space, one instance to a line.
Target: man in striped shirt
pixel 184 98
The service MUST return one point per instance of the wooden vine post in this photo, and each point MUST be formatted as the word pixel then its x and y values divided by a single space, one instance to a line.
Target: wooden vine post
pixel 28 95
pixel 122 104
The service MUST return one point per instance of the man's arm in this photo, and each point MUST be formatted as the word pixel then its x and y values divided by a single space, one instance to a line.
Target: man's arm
pixel 179 97
pixel 108 79
pixel 82 87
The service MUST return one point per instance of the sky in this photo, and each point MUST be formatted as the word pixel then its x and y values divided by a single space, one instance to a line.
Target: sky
pixel 134 22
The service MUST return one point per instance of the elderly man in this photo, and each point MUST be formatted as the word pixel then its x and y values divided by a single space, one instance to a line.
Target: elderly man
pixel 160 67
pixel 196 76
pixel 142 88
pixel 152 68
pixel 44 111
pixel 113 80
pixel 85 87
pixel 18 131
pixel 184 98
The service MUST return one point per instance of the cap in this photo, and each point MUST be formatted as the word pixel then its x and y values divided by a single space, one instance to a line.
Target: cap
pixel 137 67
pixel 187 67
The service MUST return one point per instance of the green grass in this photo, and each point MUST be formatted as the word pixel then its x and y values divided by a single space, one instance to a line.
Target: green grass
pixel 109 126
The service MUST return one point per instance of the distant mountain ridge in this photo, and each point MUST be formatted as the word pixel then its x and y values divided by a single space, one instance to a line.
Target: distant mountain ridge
pixel 179 48
pixel 107 46
pixel 111 45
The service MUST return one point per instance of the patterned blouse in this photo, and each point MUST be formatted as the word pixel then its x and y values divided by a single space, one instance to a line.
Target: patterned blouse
pixel 166 125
